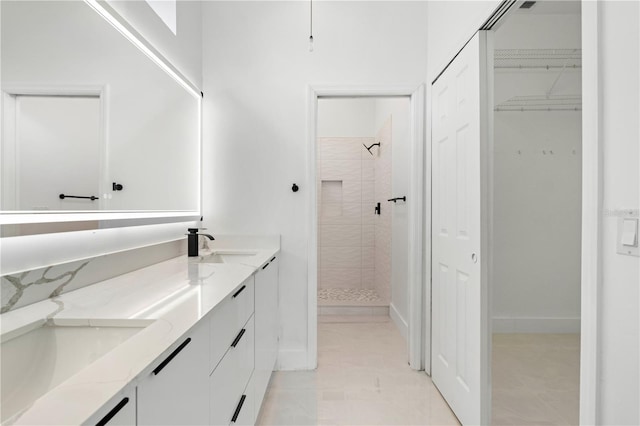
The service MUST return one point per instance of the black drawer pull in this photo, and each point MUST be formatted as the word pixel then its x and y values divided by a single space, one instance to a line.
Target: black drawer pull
pixel 238 337
pixel 272 259
pixel 164 363
pixel 265 266
pixel 238 408
pixel 239 291
pixel 113 412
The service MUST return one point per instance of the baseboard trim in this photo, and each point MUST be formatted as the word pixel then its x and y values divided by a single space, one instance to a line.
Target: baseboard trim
pixel 292 359
pixel 536 325
pixel 400 322
pixel 353 310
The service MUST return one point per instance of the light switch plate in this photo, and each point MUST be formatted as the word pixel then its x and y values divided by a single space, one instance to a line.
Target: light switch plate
pixel 627 221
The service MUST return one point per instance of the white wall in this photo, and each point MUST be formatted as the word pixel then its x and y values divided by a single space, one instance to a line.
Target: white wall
pixel 450 25
pixel 256 71
pixel 346 117
pixel 398 109
pixel 537 208
pixel 619 300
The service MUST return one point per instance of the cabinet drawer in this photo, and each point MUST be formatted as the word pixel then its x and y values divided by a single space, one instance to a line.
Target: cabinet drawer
pixel 245 409
pixel 228 318
pixel 121 410
pixel 230 378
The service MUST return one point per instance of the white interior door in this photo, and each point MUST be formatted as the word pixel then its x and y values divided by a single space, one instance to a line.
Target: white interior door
pixel 57 152
pixel 460 367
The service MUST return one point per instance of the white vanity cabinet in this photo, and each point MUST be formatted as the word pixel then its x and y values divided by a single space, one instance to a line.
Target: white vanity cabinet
pixel 230 379
pixel 266 315
pixel 176 391
pixel 218 372
pixel 121 410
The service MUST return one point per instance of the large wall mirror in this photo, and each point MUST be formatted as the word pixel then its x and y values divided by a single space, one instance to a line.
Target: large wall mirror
pixel 92 128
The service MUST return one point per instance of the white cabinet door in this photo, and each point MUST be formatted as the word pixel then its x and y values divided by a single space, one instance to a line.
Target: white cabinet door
pixel 228 318
pixel 176 392
pixel 245 414
pixel 459 259
pixel 121 410
pixel 229 380
pixel 266 314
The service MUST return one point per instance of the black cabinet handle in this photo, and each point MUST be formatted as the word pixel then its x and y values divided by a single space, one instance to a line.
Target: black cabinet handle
pixel 239 291
pixel 265 266
pixel 113 412
pixel 238 337
pixel 272 259
pixel 164 363
pixel 238 408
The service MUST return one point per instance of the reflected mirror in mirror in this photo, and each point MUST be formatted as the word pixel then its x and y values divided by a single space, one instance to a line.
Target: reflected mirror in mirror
pixel 91 123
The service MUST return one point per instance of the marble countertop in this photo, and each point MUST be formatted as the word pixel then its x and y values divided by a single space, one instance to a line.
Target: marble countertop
pixel 171 296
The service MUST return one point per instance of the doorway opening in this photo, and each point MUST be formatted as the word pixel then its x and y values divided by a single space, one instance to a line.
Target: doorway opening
pixel 412 204
pixel 363 147
pixel 536 220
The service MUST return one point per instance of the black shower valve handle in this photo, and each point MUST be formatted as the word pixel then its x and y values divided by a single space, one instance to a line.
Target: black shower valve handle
pixel 396 199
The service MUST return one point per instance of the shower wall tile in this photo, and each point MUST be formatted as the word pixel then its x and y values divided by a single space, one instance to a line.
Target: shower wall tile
pixel 368 257
pixel 351 215
pixel 346 231
pixel 331 210
pixel 368 235
pixel 368 214
pixel 340 257
pixel 369 192
pixel 352 191
pixel 339 278
pixel 345 170
pixel 340 148
pixel 368 278
pixel 340 235
pixel 368 172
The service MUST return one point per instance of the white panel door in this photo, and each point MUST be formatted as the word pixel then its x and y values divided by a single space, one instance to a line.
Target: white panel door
pixel 459 294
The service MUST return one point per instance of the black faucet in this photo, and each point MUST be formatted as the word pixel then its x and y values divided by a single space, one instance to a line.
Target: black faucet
pixel 192 238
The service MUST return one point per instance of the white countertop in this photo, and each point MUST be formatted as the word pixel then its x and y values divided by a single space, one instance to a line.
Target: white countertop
pixel 172 296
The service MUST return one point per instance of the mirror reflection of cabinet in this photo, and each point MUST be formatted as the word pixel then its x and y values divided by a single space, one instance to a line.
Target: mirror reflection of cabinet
pixel 148 121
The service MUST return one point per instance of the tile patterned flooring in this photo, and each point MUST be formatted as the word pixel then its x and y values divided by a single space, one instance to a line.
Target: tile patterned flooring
pixel 536 379
pixel 362 379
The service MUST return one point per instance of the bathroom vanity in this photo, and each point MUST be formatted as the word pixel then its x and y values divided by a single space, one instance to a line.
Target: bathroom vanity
pixel 185 341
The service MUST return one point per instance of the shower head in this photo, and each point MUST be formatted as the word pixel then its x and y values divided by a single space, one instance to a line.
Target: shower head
pixel 369 147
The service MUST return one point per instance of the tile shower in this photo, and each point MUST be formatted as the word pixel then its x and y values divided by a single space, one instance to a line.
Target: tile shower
pixel 354 243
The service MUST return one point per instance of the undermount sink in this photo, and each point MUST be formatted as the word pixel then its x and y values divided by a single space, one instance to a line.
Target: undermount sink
pixel 41 358
pixel 229 257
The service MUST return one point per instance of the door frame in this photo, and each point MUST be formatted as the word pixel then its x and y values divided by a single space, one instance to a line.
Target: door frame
pixel 416 94
pixel 592 208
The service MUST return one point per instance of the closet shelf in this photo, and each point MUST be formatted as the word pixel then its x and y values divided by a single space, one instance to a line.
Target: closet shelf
pixel 510 59
pixel 542 103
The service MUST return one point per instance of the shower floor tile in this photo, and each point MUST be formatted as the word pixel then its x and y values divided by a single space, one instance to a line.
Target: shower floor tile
pixel 328 296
